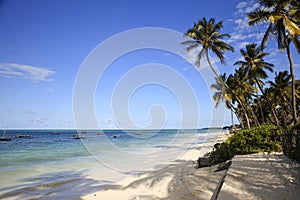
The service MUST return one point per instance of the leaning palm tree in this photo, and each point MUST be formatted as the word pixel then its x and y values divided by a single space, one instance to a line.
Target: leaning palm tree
pixel 256 67
pixel 281 92
pixel 206 34
pixel 284 19
pixel 244 90
pixel 223 94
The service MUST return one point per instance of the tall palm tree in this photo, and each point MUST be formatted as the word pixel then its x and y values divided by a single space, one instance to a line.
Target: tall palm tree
pixel 284 19
pixel 206 34
pixel 255 65
pixel 243 90
pixel 223 94
pixel 265 101
pixel 281 91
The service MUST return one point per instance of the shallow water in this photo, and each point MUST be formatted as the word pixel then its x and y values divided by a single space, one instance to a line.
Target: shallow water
pixel 51 164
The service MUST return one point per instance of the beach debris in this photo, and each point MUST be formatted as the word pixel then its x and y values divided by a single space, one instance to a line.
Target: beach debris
pixel 224 166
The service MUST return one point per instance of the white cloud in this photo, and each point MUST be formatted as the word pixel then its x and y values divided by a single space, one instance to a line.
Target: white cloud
pixel 258 36
pixel 242 24
pixel 252 7
pixel 236 37
pixel 36 74
pixel 241 5
pixel 246 7
pixel 241 45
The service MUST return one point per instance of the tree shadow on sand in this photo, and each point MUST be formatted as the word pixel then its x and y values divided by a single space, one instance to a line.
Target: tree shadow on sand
pixel 61 185
pixel 185 182
pixel 262 176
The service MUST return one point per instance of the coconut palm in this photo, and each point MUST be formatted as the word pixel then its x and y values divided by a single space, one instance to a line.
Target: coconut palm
pixel 284 19
pixel 223 94
pixel 254 63
pixel 281 92
pixel 244 91
pixel 256 67
pixel 206 34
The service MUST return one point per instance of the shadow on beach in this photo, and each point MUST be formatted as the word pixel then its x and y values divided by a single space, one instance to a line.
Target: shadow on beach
pixel 177 180
pixel 262 176
pixel 61 185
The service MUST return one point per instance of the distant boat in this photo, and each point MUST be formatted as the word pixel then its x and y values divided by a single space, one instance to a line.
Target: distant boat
pixel 23 136
pixel 77 136
pixel 3 138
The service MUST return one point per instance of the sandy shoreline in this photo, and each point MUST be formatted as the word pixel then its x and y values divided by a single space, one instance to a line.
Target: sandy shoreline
pixel 176 180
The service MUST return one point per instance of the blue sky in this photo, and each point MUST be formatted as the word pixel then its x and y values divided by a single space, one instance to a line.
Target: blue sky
pixel 44 43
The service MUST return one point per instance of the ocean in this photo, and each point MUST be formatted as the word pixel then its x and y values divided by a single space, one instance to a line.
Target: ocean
pixel 52 164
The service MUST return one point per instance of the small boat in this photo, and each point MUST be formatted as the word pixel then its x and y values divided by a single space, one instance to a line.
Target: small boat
pixel 77 136
pixel 3 138
pixel 23 136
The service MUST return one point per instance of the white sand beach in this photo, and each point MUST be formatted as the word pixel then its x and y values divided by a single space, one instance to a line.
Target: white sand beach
pixel 255 176
pixel 177 180
pixel 262 176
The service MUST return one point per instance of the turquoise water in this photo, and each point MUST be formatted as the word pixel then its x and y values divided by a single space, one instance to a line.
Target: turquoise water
pixel 51 164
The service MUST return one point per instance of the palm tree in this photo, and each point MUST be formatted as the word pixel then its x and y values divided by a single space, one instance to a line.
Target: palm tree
pixel 284 19
pixel 243 90
pixel 281 92
pixel 223 94
pixel 206 34
pixel 267 100
pixel 255 65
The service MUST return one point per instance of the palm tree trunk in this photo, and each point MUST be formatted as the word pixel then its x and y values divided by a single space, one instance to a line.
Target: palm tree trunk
pixel 262 114
pixel 216 74
pixel 274 115
pixel 269 104
pixel 210 65
pixel 252 113
pixel 243 108
pixel 247 120
pixel 233 110
pixel 231 113
pixel 293 84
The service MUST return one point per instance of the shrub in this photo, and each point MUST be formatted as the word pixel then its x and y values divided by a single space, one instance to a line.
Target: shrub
pixel 265 138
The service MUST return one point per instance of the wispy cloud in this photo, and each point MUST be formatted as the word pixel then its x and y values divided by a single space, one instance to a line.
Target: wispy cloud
pixel 240 6
pixel 247 6
pixel 243 33
pixel 35 74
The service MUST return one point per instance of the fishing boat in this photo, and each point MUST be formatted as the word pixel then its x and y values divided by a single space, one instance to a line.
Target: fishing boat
pixel 77 136
pixel 23 136
pixel 3 138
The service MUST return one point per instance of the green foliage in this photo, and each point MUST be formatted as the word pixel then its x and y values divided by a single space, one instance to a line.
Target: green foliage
pixel 265 138
pixel 258 139
pixel 294 127
pixel 291 141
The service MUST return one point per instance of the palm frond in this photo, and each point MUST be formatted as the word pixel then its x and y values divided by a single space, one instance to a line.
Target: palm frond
pixel 191 47
pixel 266 3
pixel 189 42
pixel 296 42
pixel 290 26
pixel 279 32
pixel 199 57
pixel 258 16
